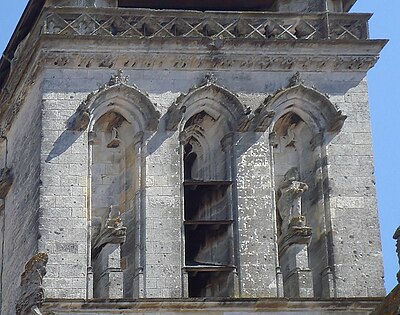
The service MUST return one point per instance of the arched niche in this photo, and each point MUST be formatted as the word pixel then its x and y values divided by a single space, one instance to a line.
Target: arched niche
pixel 129 101
pixel 304 123
pixel 219 101
pixel 207 130
pixel 120 117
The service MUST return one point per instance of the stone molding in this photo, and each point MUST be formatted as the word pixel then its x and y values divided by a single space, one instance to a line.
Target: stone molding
pixel 192 306
pixel 117 87
pixel 255 30
pixel 218 100
pixel 318 111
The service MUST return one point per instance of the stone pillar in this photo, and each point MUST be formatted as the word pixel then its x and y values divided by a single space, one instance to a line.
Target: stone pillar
pixel 108 274
pixel 297 276
pixel 227 147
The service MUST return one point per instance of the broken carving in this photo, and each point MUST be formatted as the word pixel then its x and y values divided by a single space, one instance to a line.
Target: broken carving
pixel 32 292
pixel 289 202
pixel 111 231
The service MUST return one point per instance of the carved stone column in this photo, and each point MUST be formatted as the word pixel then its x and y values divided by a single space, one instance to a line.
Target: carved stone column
pixel 108 277
pixel 227 145
pixel 136 275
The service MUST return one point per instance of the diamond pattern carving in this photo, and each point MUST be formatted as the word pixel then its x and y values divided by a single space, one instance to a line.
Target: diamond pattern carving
pixel 142 23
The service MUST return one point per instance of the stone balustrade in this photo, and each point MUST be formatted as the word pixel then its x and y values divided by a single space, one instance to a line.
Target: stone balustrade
pixel 145 23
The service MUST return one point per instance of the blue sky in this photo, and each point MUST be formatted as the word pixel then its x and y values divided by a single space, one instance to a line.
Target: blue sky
pixel 385 112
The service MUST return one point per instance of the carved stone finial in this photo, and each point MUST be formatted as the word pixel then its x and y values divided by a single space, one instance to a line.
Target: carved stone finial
pixel 209 79
pixel 111 231
pixel 295 80
pixel 32 292
pixel 118 78
pixel 396 236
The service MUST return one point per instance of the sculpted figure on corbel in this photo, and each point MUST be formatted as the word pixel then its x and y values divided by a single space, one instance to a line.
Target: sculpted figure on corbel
pixel 111 231
pixel 293 226
pixel 32 292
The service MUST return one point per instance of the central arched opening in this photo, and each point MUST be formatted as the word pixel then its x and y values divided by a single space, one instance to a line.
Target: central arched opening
pixel 209 254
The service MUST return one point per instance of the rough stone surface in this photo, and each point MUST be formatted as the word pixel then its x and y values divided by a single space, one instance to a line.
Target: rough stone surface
pixel 167 181
pixel 22 205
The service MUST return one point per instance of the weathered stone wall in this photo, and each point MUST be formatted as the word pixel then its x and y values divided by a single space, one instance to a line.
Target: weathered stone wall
pixel 353 210
pixel 256 217
pixel 64 194
pixel 21 208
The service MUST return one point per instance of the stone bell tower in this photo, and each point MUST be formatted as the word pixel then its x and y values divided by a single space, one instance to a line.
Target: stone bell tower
pixel 169 156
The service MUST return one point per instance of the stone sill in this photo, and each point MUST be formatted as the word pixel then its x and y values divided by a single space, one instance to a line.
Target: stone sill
pixel 219 306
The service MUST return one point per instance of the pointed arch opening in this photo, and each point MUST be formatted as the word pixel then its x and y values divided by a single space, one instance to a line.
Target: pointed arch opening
pixel 120 118
pixel 304 123
pixel 207 134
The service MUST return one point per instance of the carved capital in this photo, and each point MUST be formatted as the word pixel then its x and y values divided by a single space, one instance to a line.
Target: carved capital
pixel 32 292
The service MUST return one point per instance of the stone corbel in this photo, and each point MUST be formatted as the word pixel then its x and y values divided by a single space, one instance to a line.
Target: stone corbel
pixel 32 292
pixel 6 181
pixel 296 234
